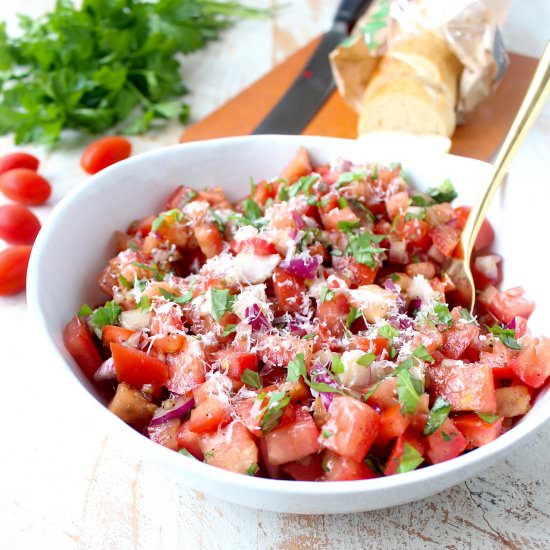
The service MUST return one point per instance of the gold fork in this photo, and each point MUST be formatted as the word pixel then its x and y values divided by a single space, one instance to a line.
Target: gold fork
pixel 534 99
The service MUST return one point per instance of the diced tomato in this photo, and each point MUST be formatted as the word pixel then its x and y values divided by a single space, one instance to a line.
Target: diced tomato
pixel 249 413
pixel 393 423
pixel 353 272
pixel 165 434
pixel 394 459
pixel 309 468
pixel 294 441
pixel 112 333
pixel 351 428
pixel 457 339
pixel 189 440
pixel 278 351
pixel 80 344
pixel 466 386
pixel 141 227
pixel 486 233
pixel 209 239
pixel 498 363
pixel 263 191
pixel 476 431
pixel 376 345
pixel 137 368
pixel 341 468
pixel 385 395
pixel 416 232
pixel 186 369
pixel 333 314
pixel 232 448
pixel 532 363
pixel 209 414
pixel 513 401
pixel 236 362
pixel 397 204
pixel 430 337
pixel 508 304
pixel 445 238
pixel 254 245
pixel 180 197
pixel 299 166
pixel 445 443
pixel 290 291
pixel 332 219
pixel 487 270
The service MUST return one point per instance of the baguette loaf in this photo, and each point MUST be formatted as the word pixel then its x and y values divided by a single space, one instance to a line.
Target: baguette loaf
pixel 413 89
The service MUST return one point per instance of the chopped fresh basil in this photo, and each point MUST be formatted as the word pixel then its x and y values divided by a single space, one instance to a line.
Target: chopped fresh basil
pixel 175 215
pixel 296 368
pixel 421 353
pixel 303 185
pixel 124 282
pixel 488 418
pixel 348 225
pixel 144 303
pixel 222 302
pixel 251 210
pixel 506 336
pixel 337 366
pixel 274 410
pixel 409 388
pixel 326 294
pixel 394 277
pixel 342 202
pixel 466 315
pixel 183 299
pixel 410 459
pixel 325 434
pixel 106 315
pixel 420 200
pixel 371 390
pixel 420 215
pixel 220 224
pixel 439 413
pixel 444 193
pixel 366 360
pixel 353 315
pixel 85 310
pixel 153 268
pixel 443 314
pixel 251 378
pixel 361 248
pixel 229 329
pixel 185 452
pixel 387 331
pixel 252 469
pixel 187 198
pixel 282 194
pixel 348 177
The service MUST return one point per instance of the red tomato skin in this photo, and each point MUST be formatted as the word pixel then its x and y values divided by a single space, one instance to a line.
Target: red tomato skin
pixel 12 161
pixel 466 386
pixel 137 368
pixel 486 233
pixel 13 269
pixel 353 425
pixel 104 152
pixel 236 362
pixel 532 363
pixel 375 345
pixel 394 459
pixel 254 245
pixel 112 333
pixel 25 186
pixel 457 339
pixel 208 415
pixel 476 431
pixel 444 447
pixel 392 424
pixel 309 468
pixel 80 344
pixel 294 441
pixel 510 303
pixel 333 313
pixel 341 468
pixel 289 291
pixel 18 225
pixel 299 166
pixel 445 238
pixel 189 440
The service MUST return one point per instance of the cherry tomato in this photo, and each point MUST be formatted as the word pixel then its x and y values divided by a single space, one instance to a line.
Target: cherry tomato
pixel 25 186
pixel 486 233
pixel 13 269
pixel 104 152
pixel 18 160
pixel 18 225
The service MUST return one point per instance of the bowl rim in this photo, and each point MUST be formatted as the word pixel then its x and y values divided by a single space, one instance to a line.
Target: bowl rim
pixel 492 451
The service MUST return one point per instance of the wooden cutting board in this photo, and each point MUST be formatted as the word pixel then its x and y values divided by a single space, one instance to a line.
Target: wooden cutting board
pixel 479 137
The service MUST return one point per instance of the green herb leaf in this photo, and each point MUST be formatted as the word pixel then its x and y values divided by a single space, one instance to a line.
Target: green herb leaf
pixel 251 210
pixel 444 193
pixel 85 310
pixel 443 314
pixel 325 434
pixel 296 368
pixel 348 225
pixel 106 315
pixel 366 360
pixel 353 315
pixel 422 353
pixel 153 268
pixel 222 302
pixel 282 194
pixel 466 315
pixel 252 470
pixel 361 247
pixel 446 437
pixel 186 453
pixel 348 177
pixel 326 295
pixel 185 298
pixel 371 390
pixel 439 413
pixel 410 459
pixel 303 185
pixel 342 202
pixel 506 336
pixel 389 332
pixel 309 336
pixel 489 418
pixel 420 200
pixel 124 282
pixel 337 367
pixel 251 378
pixel 144 303
pixel 274 410
pixel 409 388
pixel 229 329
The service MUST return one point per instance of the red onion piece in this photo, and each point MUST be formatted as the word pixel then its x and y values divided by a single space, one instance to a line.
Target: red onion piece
pixel 319 374
pixel 181 408
pixel 416 303
pixel 298 220
pixel 305 267
pixel 295 328
pixel 255 318
pixel 512 324
pixel 401 322
pixel 400 302
pixel 106 371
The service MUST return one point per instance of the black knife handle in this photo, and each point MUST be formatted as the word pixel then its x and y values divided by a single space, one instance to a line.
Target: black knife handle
pixel 350 10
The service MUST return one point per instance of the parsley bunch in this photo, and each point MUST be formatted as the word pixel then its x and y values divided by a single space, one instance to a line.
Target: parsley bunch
pixel 107 63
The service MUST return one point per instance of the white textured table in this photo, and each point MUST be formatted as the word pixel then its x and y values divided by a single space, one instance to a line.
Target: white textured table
pixel 64 484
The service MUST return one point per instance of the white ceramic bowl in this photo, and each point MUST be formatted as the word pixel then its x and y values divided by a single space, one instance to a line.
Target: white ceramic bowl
pixel 78 240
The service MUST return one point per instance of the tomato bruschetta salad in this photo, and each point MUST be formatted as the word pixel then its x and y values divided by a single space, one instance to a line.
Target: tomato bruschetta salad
pixel 310 331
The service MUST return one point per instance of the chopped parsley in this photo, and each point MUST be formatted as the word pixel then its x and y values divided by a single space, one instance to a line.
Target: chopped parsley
pixel 229 329
pixel 326 295
pixel 337 366
pixel 506 336
pixel 410 459
pixel 409 388
pixel 348 177
pixel 274 410
pixel 309 336
pixel 144 303
pixel 389 332
pixel 297 368
pixel 342 202
pixel 444 193
pixel 446 437
pixel 222 302
pixel 183 299
pixel 124 282
pixel 420 200
pixel 251 378
pixel 153 268
pixel 488 418
pixel 421 353
pixel 439 413
pixel 85 310
pixel 348 225
pixel 366 360
pixel 106 315
pixel 361 247
pixel 303 185
pixel 251 210
pixel 353 315
pixel 325 434
pixel 252 469
pixel 282 194
pixel 443 314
